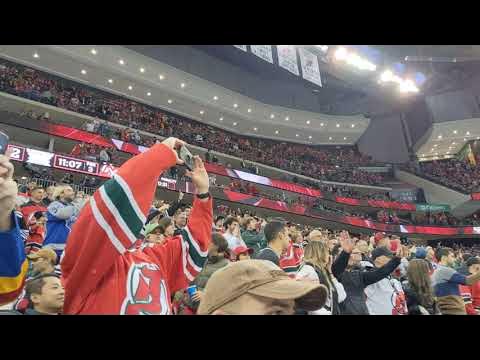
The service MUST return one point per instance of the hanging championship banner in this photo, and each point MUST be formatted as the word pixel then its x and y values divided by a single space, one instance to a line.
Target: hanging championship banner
pixel 241 47
pixel 287 58
pixel 309 63
pixel 263 51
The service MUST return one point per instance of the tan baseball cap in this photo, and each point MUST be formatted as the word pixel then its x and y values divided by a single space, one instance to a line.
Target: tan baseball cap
pixel 45 253
pixel 262 278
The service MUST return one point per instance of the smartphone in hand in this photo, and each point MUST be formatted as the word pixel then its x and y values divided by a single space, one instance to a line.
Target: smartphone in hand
pixel 187 157
pixel 4 139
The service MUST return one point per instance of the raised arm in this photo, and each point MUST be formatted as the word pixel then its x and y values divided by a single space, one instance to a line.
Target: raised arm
pixel 13 263
pixel 111 222
pixel 183 257
pixel 341 263
pixel 371 277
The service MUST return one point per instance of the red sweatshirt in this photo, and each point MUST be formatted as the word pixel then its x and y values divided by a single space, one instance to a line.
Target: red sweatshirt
pixel 103 273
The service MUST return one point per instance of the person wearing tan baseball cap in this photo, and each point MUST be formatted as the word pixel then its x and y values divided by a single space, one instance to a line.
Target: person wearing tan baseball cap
pixel 259 287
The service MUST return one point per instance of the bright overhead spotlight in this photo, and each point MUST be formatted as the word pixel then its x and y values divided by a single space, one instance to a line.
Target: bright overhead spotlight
pixel 149 94
pixel 170 101
pixel 84 72
pixel 35 55
pixel 234 124
pixel 215 97
pixel 142 70
pixel 435 145
pixel 93 51
pixel 322 124
pixel 255 129
pixel 308 122
pixel 386 76
pixel 454 131
pixel 439 137
pixel 454 143
pixel 276 132
pixel 330 138
pixel 344 138
pixel 309 136
pixel 221 119
pixel 121 62
pixel 338 125
pixel 478 137
pixel 130 87
pixel 341 53
pixel 287 118
pixel 182 85
pixel 110 81
pixel 407 86
pixel 249 110
pixel 448 152
pixel 272 116
pixel 467 133
pixel 464 139
pixel 202 112
pixel 161 77
pixel 235 105
pixel 324 48
pixel 353 125
pixel 297 135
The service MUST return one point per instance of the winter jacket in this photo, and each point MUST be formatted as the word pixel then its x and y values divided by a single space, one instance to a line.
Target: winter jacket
pixel 254 240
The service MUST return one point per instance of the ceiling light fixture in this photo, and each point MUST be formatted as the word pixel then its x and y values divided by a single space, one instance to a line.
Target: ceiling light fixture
pixel 121 62
pixel 221 119
pixel 215 97
pixel 93 51
pixel 454 131
pixel 110 81
pixel 234 124
pixel 35 55
pixel 276 132
pixel 255 129
pixel 344 138
pixel 338 125
pixel 130 87
pixel 287 118
pixel 170 101
pixel 321 124
pixel 182 85
pixel 161 77
pixel 142 70
pixel 84 72
pixel 272 116
pixel 330 138
pixel 202 112
pixel 249 110
pixel 308 122
pixel 353 125
pixel 297 135
pixel 467 133
pixel 149 94
pixel 310 136
pixel 439 137
pixel 235 105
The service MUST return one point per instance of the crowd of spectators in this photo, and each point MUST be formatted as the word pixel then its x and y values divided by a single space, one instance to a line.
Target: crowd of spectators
pixel 459 175
pixel 231 263
pixel 320 163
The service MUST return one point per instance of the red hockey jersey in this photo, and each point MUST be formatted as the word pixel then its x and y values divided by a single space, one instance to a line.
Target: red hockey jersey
pixel 291 260
pixel 103 273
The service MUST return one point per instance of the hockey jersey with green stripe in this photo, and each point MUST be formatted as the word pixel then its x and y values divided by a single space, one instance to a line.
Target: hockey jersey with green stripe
pixel 104 273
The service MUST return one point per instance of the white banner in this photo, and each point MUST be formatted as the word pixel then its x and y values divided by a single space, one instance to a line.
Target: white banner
pixel 241 47
pixel 287 58
pixel 309 63
pixel 263 51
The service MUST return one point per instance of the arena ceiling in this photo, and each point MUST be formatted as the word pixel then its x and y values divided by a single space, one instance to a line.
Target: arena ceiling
pixel 122 71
